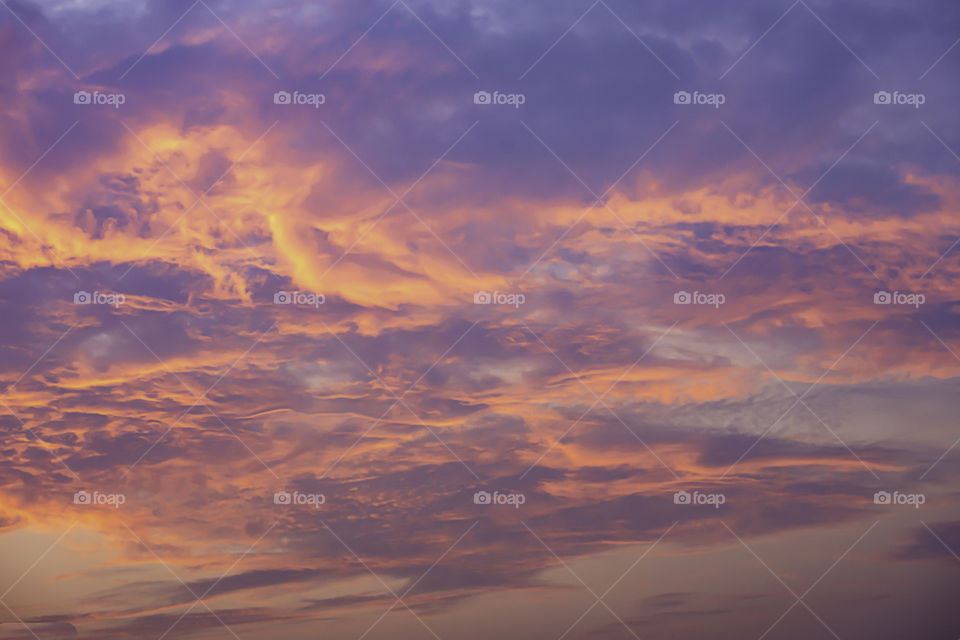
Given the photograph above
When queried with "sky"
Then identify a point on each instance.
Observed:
(476, 319)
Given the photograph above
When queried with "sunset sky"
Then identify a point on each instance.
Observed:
(479, 319)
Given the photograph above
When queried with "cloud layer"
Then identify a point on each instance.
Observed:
(287, 291)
